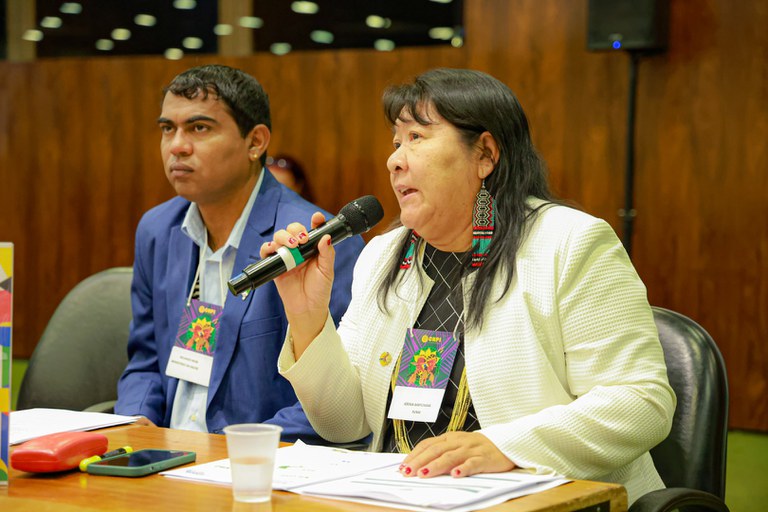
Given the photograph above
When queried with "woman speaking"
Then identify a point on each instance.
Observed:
(492, 328)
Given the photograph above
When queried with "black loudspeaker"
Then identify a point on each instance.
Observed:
(628, 25)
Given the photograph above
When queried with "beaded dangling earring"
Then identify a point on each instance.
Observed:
(408, 259)
(483, 216)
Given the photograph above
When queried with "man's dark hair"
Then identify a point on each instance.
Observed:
(240, 92)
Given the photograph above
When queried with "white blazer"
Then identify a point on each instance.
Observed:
(567, 374)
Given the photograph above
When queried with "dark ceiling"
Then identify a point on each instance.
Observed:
(406, 23)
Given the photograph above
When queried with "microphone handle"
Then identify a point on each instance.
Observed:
(272, 266)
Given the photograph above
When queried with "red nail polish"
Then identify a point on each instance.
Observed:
(456, 472)
(407, 471)
(329, 241)
(401, 467)
(424, 471)
(291, 241)
(302, 236)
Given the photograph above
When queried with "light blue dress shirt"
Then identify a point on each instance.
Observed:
(191, 400)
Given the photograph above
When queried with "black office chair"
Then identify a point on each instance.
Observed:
(692, 459)
(82, 351)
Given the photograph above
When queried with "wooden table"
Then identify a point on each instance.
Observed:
(73, 490)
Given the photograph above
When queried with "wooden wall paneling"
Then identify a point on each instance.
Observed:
(748, 89)
(144, 176)
(18, 196)
(147, 177)
(94, 159)
(337, 110)
(37, 145)
(337, 107)
(703, 225)
(132, 162)
(292, 102)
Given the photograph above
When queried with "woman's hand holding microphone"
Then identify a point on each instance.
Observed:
(305, 290)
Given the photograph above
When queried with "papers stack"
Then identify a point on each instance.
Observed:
(31, 423)
(374, 478)
(296, 466)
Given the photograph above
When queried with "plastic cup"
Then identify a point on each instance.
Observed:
(251, 448)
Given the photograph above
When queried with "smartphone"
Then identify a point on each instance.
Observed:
(140, 462)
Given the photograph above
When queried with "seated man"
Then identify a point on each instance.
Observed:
(200, 357)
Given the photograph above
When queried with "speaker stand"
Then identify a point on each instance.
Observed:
(628, 213)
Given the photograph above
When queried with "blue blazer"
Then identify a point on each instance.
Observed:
(245, 386)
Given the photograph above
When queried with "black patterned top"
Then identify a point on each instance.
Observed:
(443, 311)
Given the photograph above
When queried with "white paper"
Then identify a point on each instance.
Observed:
(216, 472)
(31, 423)
(389, 487)
(302, 464)
(373, 478)
(478, 505)
(296, 466)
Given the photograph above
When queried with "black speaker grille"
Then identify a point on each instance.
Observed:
(628, 25)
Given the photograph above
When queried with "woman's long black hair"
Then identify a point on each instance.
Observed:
(475, 102)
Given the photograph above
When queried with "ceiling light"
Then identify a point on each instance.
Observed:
(457, 41)
(441, 1)
(173, 53)
(105, 45)
(121, 34)
(305, 7)
(71, 8)
(321, 36)
(223, 29)
(192, 43)
(280, 48)
(250, 22)
(375, 21)
(384, 45)
(32, 35)
(50, 22)
(145, 20)
(184, 5)
(442, 33)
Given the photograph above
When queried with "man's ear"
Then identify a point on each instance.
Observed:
(259, 140)
(489, 154)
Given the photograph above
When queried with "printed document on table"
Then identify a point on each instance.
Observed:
(373, 478)
(297, 465)
(216, 472)
(303, 464)
(32, 423)
(387, 487)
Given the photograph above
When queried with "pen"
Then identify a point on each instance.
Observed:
(85, 462)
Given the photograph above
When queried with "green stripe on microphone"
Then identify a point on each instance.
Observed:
(297, 257)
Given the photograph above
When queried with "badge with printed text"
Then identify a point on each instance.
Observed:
(425, 370)
(192, 353)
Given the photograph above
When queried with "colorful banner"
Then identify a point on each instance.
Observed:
(6, 316)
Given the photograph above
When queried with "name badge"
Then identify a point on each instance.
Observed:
(192, 353)
(425, 370)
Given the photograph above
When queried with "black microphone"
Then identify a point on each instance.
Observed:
(355, 218)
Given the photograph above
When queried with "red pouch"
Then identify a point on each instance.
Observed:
(57, 452)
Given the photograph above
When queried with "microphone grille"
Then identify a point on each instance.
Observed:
(362, 214)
